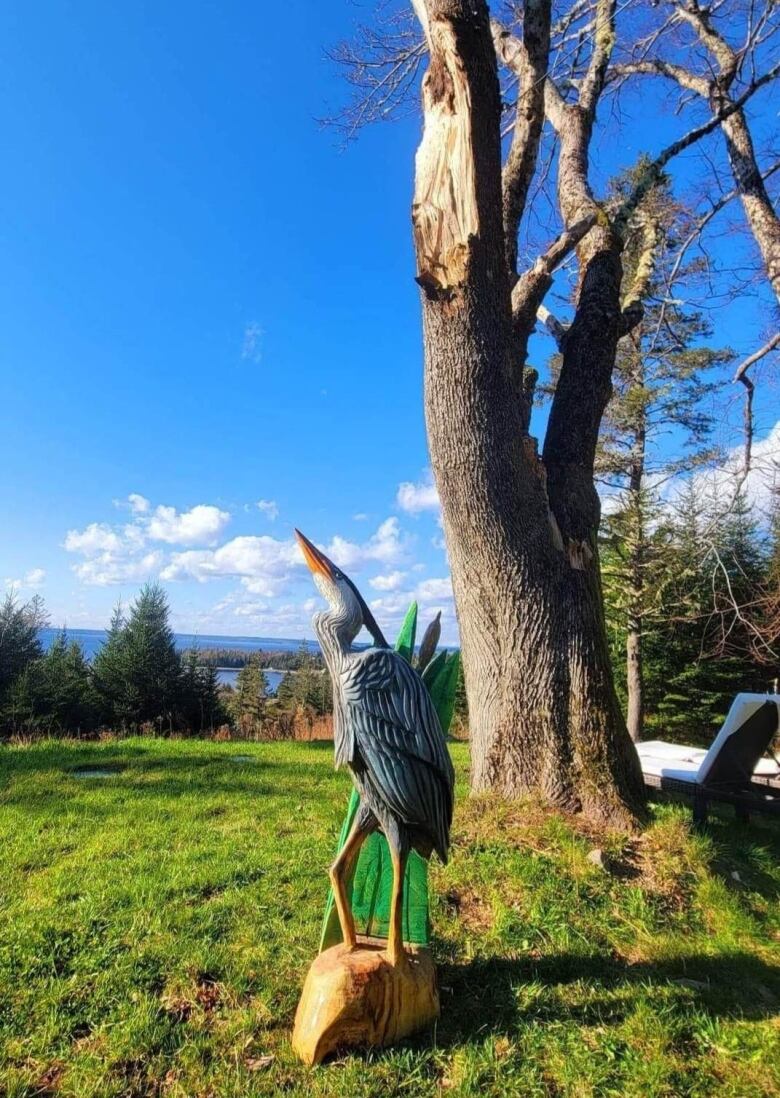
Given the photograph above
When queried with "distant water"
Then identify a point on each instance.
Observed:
(91, 640)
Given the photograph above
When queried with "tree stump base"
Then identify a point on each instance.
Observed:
(356, 998)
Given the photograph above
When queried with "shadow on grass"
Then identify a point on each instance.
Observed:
(485, 996)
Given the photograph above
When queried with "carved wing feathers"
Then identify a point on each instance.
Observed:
(395, 731)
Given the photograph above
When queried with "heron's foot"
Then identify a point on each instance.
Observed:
(398, 957)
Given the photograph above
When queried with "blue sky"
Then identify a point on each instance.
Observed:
(206, 304)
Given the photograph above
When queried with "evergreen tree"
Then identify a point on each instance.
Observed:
(200, 706)
(247, 703)
(110, 674)
(662, 379)
(700, 649)
(54, 694)
(138, 670)
(20, 626)
(308, 688)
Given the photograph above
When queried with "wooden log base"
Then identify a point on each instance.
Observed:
(356, 998)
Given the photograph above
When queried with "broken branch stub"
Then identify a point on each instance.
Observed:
(444, 211)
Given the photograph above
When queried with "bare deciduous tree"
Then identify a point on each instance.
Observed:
(521, 527)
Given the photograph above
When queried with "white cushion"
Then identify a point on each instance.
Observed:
(743, 706)
(675, 760)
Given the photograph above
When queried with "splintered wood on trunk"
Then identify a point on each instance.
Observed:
(542, 708)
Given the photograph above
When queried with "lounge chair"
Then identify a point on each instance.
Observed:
(732, 770)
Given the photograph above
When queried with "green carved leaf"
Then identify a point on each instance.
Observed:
(405, 643)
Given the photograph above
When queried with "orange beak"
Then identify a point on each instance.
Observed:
(316, 560)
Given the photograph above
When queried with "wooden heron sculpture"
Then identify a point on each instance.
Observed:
(387, 733)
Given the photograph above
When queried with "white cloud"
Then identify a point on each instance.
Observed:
(431, 590)
(762, 481)
(415, 498)
(264, 564)
(119, 554)
(269, 507)
(33, 578)
(716, 486)
(198, 526)
(261, 563)
(388, 546)
(361, 516)
(98, 537)
(390, 582)
(432, 595)
(106, 569)
(138, 504)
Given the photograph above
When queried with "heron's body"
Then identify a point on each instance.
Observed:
(387, 733)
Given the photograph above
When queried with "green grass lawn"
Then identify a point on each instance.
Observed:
(156, 926)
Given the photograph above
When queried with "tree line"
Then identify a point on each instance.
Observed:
(273, 659)
(138, 682)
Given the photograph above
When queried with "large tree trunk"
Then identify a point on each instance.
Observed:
(542, 707)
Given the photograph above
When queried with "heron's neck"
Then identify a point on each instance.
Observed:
(336, 630)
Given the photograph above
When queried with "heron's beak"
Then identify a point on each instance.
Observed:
(316, 560)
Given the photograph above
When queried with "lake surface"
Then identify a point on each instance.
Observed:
(227, 676)
(92, 640)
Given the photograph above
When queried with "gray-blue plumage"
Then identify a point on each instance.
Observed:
(388, 734)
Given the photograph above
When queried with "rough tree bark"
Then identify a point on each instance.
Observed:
(521, 531)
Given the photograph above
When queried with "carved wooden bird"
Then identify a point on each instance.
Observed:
(387, 733)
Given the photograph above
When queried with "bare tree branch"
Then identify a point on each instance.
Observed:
(742, 376)
(652, 172)
(528, 60)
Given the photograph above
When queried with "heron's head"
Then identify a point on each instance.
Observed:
(338, 590)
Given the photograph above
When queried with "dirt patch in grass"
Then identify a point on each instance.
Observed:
(472, 910)
(49, 1081)
(206, 996)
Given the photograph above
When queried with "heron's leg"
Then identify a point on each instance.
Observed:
(338, 873)
(395, 942)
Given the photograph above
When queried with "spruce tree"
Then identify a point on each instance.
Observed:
(54, 695)
(20, 626)
(702, 648)
(662, 382)
(138, 670)
(200, 707)
(248, 700)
